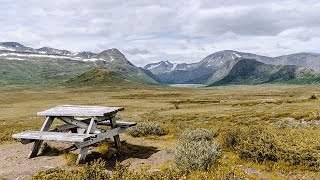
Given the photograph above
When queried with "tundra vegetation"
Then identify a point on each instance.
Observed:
(261, 131)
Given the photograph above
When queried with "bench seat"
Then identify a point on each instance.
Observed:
(53, 136)
(118, 123)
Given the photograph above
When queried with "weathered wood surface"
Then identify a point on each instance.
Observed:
(37, 144)
(75, 110)
(80, 124)
(101, 136)
(118, 123)
(116, 137)
(84, 150)
(53, 136)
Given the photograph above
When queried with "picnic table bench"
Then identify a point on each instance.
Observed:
(80, 128)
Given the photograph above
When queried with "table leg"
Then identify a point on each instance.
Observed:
(117, 137)
(84, 150)
(37, 144)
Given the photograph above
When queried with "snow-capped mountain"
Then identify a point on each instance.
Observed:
(217, 65)
(15, 46)
(18, 62)
(15, 50)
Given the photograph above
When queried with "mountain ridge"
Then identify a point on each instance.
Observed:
(45, 64)
(218, 64)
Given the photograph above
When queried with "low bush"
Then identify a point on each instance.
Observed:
(196, 155)
(198, 134)
(147, 128)
(294, 147)
(195, 151)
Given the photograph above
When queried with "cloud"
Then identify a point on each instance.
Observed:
(136, 51)
(151, 30)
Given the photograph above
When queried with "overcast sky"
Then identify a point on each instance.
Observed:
(175, 30)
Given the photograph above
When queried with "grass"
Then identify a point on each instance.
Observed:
(288, 111)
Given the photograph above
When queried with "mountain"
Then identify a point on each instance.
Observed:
(217, 65)
(249, 71)
(15, 46)
(208, 70)
(310, 60)
(48, 50)
(24, 65)
(40, 71)
(99, 76)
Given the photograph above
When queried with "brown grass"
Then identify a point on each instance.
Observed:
(217, 108)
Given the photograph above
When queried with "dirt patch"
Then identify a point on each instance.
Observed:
(140, 152)
(15, 165)
(155, 159)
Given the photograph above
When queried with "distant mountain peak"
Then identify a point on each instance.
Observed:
(12, 44)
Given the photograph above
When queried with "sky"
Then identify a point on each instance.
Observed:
(149, 31)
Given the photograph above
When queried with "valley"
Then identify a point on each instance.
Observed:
(286, 111)
(262, 114)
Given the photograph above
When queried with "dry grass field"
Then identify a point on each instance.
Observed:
(264, 131)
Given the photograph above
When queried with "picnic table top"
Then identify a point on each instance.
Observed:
(76, 110)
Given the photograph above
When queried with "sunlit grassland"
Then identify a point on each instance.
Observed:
(176, 108)
(286, 110)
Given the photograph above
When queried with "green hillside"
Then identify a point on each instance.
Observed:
(117, 62)
(40, 72)
(99, 76)
(248, 71)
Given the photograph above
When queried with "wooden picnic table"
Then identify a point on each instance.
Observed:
(80, 128)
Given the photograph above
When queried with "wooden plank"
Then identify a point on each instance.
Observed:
(84, 150)
(101, 137)
(37, 144)
(53, 136)
(79, 124)
(82, 154)
(116, 137)
(118, 123)
(74, 110)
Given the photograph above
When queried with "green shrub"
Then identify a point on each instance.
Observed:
(294, 147)
(231, 138)
(197, 134)
(146, 128)
(195, 151)
(196, 155)
(70, 157)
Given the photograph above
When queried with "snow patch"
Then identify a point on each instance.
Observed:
(174, 66)
(167, 63)
(6, 48)
(154, 66)
(111, 58)
(13, 58)
(40, 55)
(236, 54)
(91, 59)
